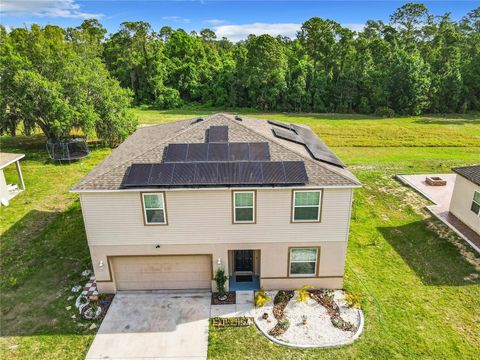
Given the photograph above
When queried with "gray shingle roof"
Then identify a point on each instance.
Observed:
(471, 173)
(147, 145)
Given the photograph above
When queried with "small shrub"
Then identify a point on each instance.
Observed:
(94, 307)
(221, 279)
(82, 299)
(338, 322)
(168, 98)
(353, 300)
(364, 106)
(281, 296)
(328, 294)
(283, 324)
(12, 281)
(385, 112)
(261, 298)
(303, 293)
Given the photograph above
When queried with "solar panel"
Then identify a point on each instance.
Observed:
(248, 173)
(161, 174)
(217, 152)
(217, 173)
(226, 173)
(317, 148)
(138, 175)
(273, 172)
(280, 124)
(176, 152)
(218, 134)
(197, 152)
(206, 173)
(238, 151)
(288, 135)
(183, 174)
(295, 172)
(200, 152)
(259, 151)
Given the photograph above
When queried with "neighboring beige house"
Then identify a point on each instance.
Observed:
(465, 203)
(9, 191)
(266, 201)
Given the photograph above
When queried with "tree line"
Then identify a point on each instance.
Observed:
(416, 63)
(81, 77)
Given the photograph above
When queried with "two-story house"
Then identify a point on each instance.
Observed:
(268, 202)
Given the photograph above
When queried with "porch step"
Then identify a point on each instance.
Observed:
(245, 297)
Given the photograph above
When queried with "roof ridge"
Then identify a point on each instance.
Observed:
(294, 151)
(151, 148)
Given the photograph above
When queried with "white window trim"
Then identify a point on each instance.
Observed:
(320, 197)
(235, 221)
(159, 208)
(476, 202)
(302, 275)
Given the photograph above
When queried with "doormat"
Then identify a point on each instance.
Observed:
(244, 278)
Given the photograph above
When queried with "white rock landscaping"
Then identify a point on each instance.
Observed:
(318, 330)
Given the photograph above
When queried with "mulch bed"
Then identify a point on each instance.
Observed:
(326, 300)
(231, 299)
(279, 304)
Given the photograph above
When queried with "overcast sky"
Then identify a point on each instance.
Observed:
(232, 19)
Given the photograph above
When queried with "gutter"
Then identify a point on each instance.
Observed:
(215, 189)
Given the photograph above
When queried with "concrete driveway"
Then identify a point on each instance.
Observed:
(150, 325)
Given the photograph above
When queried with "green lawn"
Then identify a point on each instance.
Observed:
(419, 282)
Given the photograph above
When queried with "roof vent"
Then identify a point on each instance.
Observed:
(238, 118)
(197, 121)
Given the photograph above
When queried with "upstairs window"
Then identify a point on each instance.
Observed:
(154, 208)
(244, 207)
(476, 203)
(306, 206)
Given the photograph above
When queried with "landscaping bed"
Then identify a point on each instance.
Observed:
(231, 299)
(323, 319)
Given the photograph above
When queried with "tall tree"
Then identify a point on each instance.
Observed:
(265, 70)
(47, 82)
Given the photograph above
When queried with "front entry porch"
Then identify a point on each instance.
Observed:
(244, 270)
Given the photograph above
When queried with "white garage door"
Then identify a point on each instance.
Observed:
(162, 272)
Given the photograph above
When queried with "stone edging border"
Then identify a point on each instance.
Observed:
(342, 343)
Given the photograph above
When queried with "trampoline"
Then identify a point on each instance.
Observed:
(67, 149)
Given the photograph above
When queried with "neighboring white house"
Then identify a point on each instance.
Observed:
(9, 191)
(465, 203)
(269, 202)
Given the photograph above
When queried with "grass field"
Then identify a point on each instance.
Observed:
(419, 282)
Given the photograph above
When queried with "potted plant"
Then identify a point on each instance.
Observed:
(304, 319)
(81, 302)
(92, 312)
(221, 279)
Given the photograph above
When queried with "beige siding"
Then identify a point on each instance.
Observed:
(205, 216)
(462, 201)
(162, 272)
(273, 262)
